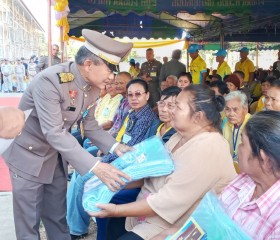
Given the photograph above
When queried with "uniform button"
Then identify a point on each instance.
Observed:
(30, 147)
(65, 119)
(85, 95)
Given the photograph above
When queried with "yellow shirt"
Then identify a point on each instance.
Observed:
(256, 89)
(197, 68)
(260, 105)
(106, 108)
(247, 67)
(234, 137)
(133, 72)
(223, 69)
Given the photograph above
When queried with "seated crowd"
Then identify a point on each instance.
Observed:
(228, 125)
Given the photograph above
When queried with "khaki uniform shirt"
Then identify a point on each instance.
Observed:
(201, 164)
(44, 62)
(34, 154)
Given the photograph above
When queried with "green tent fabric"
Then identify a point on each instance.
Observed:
(238, 20)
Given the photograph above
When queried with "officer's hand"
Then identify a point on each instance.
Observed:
(99, 153)
(121, 149)
(110, 176)
(11, 122)
(107, 210)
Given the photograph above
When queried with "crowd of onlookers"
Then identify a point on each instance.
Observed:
(166, 101)
(16, 75)
(211, 135)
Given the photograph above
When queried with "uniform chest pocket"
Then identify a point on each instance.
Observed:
(69, 116)
(32, 144)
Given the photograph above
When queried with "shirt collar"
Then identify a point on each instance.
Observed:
(247, 116)
(266, 200)
(246, 186)
(139, 113)
(79, 80)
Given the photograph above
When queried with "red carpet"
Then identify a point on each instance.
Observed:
(5, 182)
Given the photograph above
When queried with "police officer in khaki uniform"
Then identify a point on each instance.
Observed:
(60, 96)
(44, 60)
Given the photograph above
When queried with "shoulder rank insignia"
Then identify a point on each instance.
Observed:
(65, 77)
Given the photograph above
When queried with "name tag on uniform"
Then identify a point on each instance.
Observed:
(153, 74)
(71, 108)
(126, 138)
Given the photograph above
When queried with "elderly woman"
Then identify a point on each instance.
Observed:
(171, 80)
(134, 128)
(272, 98)
(162, 129)
(253, 198)
(158, 206)
(236, 111)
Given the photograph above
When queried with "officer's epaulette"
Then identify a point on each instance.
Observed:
(65, 77)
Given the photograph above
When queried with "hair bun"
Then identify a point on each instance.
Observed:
(219, 101)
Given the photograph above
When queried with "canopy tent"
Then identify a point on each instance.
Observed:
(207, 20)
(130, 25)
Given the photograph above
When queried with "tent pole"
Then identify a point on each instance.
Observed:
(61, 44)
(222, 37)
(187, 43)
(49, 33)
(257, 55)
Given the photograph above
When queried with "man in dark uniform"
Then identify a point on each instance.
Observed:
(61, 96)
(150, 71)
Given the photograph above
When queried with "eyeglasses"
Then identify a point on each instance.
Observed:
(136, 94)
(169, 105)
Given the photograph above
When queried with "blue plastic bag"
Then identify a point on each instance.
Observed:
(211, 219)
(149, 159)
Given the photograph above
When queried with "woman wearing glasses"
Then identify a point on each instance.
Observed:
(134, 129)
(202, 162)
(164, 128)
(139, 118)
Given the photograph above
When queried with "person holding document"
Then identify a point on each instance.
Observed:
(62, 96)
(168, 201)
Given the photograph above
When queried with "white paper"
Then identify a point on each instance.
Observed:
(5, 143)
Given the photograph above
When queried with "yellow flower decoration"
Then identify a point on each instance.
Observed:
(61, 7)
(66, 77)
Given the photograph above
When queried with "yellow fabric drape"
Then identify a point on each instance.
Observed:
(60, 6)
(152, 44)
